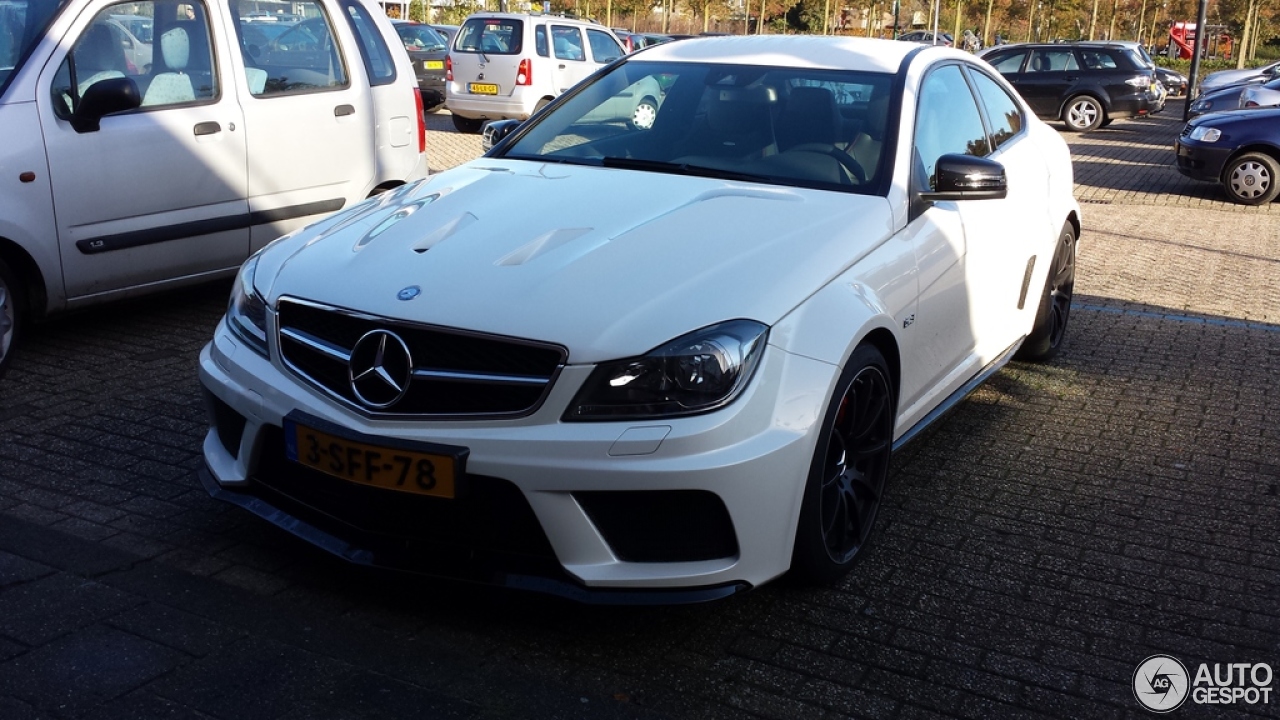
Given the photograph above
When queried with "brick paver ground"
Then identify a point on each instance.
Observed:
(1064, 523)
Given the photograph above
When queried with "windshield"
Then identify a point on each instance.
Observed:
(778, 125)
(22, 24)
(419, 38)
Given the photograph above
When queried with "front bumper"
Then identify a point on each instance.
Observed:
(536, 514)
(1200, 161)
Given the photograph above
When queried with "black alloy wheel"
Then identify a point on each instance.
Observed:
(847, 478)
(1046, 336)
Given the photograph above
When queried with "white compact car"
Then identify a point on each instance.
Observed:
(625, 364)
(508, 65)
(132, 166)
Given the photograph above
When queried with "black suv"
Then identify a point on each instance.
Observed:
(1085, 85)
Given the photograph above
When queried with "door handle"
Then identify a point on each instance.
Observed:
(561, 67)
(207, 128)
(343, 110)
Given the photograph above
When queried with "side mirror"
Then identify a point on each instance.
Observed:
(104, 97)
(496, 131)
(965, 177)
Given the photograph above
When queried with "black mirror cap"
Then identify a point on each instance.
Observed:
(104, 97)
(966, 177)
(496, 131)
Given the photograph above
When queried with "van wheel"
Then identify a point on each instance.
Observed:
(1082, 113)
(847, 477)
(11, 311)
(467, 125)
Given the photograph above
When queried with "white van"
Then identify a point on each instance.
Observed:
(129, 169)
(507, 66)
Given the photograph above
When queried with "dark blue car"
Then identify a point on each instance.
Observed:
(1238, 148)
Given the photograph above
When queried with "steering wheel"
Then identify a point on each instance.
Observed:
(845, 159)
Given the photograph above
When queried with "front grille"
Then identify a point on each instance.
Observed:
(454, 373)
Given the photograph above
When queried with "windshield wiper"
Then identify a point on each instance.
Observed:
(683, 169)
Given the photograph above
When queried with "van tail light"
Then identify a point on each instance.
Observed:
(448, 68)
(524, 75)
(422, 121)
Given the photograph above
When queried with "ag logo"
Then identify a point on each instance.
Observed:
(1160, 683)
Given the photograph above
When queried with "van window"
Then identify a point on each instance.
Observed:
(175, 69)
(540, 40)
(304, 57)
(603, 47)
(566, 43)
(377, 58)
(492, 36)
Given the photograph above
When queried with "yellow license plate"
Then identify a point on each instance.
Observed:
(433, 64)
(388, 465)
(483, 89)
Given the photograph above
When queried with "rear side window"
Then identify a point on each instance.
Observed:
(373, 49)
(566, 43)
(491, 36)
(304, 57)
(1097, 60)
(1053, 61)
(603, 47)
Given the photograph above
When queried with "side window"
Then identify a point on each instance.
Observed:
(1008, 64)
(604, 49)
(947, 121)
(302, 57)
(566, 43)
(373, 49)
(1053, 61)
(1097, 60)
(1003, 112)
(540, 41)
(173, 66)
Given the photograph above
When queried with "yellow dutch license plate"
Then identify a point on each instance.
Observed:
(431, 471)
(483, 89)
(433, 64)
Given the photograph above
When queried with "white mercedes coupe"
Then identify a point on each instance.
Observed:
(662, 362)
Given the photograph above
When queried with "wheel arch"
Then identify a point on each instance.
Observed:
(36, 296)
(884, 341)
(1257, 147)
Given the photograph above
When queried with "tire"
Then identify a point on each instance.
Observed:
(1082, 113)
(1252, 179)
(11, 315)
(467, 125)
(1050, 328)
(645, 113)
(541, 104)
(842, 498)
(1105, 122)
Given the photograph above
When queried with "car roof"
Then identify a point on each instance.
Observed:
(805, 51)
(537, 16)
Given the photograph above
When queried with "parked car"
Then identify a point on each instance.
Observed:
(507, 65)
(1222, 78)
(448, 31)
(665, 364)
(1230, 97)
(1239, 149)
(428, 50)
(130, 176)
(1085, 85)
(137, 53)
(924, 36)
(1173, 81)
(1264, 95)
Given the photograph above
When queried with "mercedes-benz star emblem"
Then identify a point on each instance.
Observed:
(380, 368)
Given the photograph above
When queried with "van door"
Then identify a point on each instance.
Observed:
(309, 117)
(157, 193)
(569, 50)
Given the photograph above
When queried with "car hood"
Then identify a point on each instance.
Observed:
(1221, 79)
(606, 262)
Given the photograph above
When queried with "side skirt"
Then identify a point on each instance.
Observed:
(960, 394)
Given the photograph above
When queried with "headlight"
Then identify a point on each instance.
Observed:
(698, 372)
(247, 311)
(1205, 134)
(1201, 106)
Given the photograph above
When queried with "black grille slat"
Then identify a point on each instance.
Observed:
(434, 349)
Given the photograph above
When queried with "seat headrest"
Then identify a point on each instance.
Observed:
(810, 116)
(736, 110)
(175, 48)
